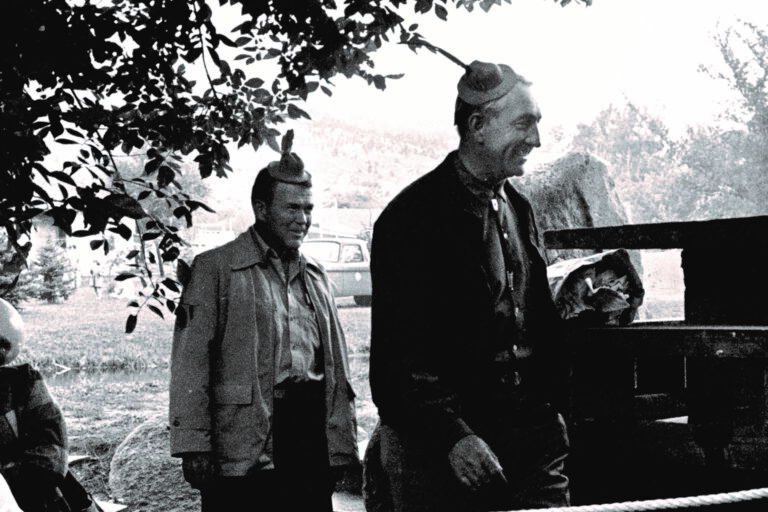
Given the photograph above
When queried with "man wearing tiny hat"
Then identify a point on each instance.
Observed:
(466, 357)
(261, 410)
(33, 434)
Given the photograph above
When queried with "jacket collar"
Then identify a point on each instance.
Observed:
(247, 251)
(466, 194)
(250, 249)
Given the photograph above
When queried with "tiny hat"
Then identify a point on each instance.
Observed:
(483, 82)
(11, 332)
(290, 168)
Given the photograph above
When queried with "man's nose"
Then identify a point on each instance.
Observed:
(532, 138)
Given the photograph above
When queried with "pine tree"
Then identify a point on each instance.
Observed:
(53, 273)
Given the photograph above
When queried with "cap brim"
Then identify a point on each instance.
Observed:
(289, 173)
(475, 97)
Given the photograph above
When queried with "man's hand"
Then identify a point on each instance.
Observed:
(198, 467)
(474, 464)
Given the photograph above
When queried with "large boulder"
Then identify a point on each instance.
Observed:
(574, 191)
(143, 474)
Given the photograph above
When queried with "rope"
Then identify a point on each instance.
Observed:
(665, 504)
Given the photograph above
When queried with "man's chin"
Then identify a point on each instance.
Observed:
(515, 171)
(293, 244)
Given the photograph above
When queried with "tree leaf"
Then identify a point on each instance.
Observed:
(254, 82)
(62, 176)
(155, 310)
(122, 230)
(124, 205)
(295, 112)
(130, 323)
(150, 236)
(194, 205)
(171, 284)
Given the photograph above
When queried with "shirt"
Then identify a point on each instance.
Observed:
(298, 350)
(506, 263)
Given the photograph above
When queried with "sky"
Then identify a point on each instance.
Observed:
(579, 58)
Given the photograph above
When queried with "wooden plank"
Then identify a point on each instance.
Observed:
(717, 341)
(742, 231)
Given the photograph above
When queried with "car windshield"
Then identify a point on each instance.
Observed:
(322, 250)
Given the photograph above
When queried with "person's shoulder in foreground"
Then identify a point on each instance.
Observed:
(33, 443)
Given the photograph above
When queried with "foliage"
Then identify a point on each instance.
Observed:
(709, 171)
(15, 282)
(98, 78)
(52, 274)
(735, 160)
(641, 154)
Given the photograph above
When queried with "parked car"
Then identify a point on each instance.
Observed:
(347, 262)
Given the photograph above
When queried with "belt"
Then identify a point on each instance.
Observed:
(294, 389)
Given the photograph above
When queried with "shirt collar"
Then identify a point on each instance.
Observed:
(481, 192)
(266, 253)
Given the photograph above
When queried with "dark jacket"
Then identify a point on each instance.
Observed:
(432, 372)
(33, 439)
(223, 365)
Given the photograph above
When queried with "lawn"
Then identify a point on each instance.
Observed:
(124, 378)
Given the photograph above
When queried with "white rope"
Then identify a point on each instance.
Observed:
(666, 503)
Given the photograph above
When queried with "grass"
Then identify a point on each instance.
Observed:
(102, 407)
(123, 379)
(88, 333)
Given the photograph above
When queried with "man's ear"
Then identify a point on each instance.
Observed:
(475, 125)
(260, 210)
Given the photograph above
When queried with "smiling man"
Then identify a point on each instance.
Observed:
(466, 356)
(261, 410)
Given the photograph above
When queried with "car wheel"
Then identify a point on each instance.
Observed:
(363, 300)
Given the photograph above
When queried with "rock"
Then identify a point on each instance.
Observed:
(574, 191)
(143, 475)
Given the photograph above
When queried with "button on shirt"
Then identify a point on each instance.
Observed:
(507, 268)
(298, 349)
(507, 265)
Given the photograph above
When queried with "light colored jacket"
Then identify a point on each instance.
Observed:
(223, 362)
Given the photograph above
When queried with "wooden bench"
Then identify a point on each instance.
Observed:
(708, 371)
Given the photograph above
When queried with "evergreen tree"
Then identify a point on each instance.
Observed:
(53, 273)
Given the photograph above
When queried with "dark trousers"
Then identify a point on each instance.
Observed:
(301, 480)
(532, 452)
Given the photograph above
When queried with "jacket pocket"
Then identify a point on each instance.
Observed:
(233, 394)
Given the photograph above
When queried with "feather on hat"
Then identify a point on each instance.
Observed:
(290, 168)
(482, 81)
